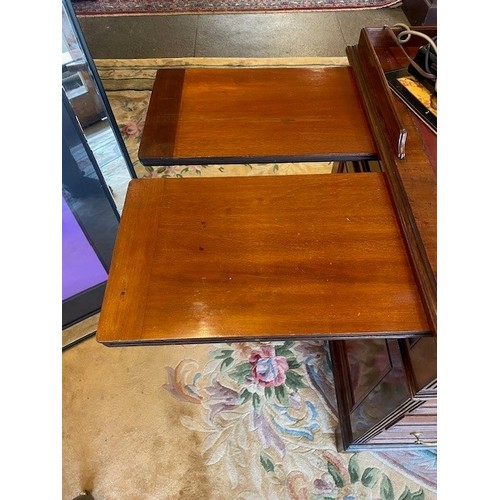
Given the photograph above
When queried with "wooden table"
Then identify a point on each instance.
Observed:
(255, 115)
(350, 258)
(232, 259)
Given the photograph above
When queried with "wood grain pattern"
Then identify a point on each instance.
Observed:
(381, 97)
(226, 259)
(412, 180)
(219, 115)
(160, 127)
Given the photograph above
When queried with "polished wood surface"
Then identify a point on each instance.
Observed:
(239, 115)
(398, 404)
(246, 258)
(412, 180)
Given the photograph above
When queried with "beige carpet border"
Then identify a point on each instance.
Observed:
(219, 61)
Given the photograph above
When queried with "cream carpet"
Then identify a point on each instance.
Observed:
(170, 422)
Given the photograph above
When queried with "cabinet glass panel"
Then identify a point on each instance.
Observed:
(388, 390)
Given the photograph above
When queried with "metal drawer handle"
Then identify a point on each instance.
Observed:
(419, 441)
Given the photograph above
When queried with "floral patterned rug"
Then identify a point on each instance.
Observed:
(127, 7)
(253, 421)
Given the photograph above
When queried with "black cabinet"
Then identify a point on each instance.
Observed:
(421, 12)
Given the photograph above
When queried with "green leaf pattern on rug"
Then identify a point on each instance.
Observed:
(353, 469)
(369, 477)
(408, 495)
(366, 485)
(386, 489)
(264, 417)
(336, 475)
(271, 369)
(267, 462)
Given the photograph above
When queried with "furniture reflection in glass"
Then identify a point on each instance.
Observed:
(86, 95)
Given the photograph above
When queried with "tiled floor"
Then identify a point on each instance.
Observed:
(321, 34)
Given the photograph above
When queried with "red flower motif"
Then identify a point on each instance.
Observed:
(268, 369)
(131, 129)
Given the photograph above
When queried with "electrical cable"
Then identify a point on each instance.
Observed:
(407, 32)
(404, 36)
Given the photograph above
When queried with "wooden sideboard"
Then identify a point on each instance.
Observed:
(387, 389)
(347, 258)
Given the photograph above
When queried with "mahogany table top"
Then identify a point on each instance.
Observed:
(412, 180)
(239, 115)
(259, 258)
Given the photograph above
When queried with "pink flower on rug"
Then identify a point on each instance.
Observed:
(267, 368)
(131, 129)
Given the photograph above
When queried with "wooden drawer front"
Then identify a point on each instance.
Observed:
(423, 420)
(427, 408)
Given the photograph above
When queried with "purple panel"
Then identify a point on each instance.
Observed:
(81, 268)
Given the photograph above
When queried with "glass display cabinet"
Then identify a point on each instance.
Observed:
(96, 170)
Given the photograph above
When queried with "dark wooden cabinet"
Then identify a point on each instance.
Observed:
(387, 388)
(359, 272)
(386, 392)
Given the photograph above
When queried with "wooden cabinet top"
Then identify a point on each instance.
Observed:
(412, 180)
(239, 258)
(238, 115)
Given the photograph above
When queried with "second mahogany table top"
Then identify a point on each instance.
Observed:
(239, 115)
(248, 258)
